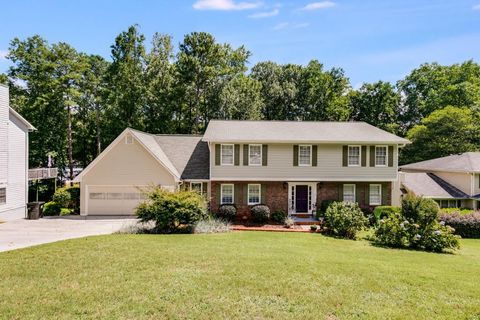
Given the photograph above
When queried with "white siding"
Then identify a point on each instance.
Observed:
(3, 134)
(280, 167)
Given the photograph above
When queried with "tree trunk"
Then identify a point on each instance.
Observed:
(70, 142)
(99, 141)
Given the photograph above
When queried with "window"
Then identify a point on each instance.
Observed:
(254, 193)
(3, 195)
(197, 187)
(349, 193)
(97, 196)
(375, 194)
(226, 194)
(452, 203)
(226, 154)
(353, 156)
(304, 155)
(380, 156)
(254, 154)
(114, 196)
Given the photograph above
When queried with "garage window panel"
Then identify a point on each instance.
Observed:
(114, 196)
(97, 195)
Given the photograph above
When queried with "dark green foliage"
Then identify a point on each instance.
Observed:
(279, 216)
(344, 219)
(416, 227)
(51, 209)
(381, 212)
(74, 203)
(260, 213)
(324, 204)
(465, 225)
(172, 211)
(227, 212)
(62, 197)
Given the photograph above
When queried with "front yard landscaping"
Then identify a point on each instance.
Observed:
(237, 275)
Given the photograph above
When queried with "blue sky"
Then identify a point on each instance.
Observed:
(371, 39)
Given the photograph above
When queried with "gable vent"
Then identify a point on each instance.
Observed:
(128, 139)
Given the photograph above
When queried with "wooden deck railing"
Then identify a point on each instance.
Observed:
(42, 173)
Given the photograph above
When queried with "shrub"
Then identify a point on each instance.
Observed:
(416, 226)
(211, 225)
(51, 209)
(456, 210)
(172, 211)
(65, 211)
(320, 213)
(74, 203)
(289, 222)
(227, 212)
(62, 197)
(344, 219)
(279, 216)
(465, 225)
(313, 227)
(381, 212)
(260, 213)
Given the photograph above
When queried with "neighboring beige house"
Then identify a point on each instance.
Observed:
(13, 160)
(288, 165)
(453, 181)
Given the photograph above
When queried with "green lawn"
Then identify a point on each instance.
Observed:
(237, 275)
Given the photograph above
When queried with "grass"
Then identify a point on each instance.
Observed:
(237, 275)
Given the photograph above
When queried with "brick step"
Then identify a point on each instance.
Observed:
(307, 223)
(302, 215)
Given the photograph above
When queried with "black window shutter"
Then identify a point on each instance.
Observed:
(314, 155)
(264, 155)
(345, 156)
(217, 154)
(390, 156)
(364, 156)
(372, 156)
(295, 155)
(237, 154)
(385, 194)
(245, 154)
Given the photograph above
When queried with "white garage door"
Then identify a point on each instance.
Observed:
(113, 200)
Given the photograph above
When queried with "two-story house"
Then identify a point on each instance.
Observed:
(452, 181)
(14, 131)
(287, 165)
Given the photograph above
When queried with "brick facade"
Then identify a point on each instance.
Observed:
(276, 196)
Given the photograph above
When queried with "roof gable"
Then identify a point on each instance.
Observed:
(464, 162)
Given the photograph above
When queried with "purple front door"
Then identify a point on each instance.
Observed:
(301, 199)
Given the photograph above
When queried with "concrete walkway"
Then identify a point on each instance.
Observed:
(23, 233)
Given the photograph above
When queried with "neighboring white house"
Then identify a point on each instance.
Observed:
(13, 160)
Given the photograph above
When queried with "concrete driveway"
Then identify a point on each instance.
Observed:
(23, 233)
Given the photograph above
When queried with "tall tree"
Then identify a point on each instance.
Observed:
(444, 132)
(126, 82)
(240, 99)
(3, 79)
(377, 104)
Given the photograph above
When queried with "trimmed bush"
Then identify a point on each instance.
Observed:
(65, 211)
(381, 212)
(416, 227)
(62, 197)
(322, 208)
(465, 225)
(456, 210)
(172, 212)
(51, 209)
(345, 219)
(227, 212)
(279, 216)
(260, 213)
(211, 225)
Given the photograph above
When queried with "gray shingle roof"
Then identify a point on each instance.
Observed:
(464, 162)
(297, 131)
(431, 186)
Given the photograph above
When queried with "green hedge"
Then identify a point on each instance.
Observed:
(381, 212)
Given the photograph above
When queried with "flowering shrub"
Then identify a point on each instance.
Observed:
(260, 213)
(227, 212)
(289, 222)
(465, 225)
(416, 226)
(211, 225)
(381, 212)
(344, 219)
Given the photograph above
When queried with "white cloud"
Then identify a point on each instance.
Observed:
(3, 54)
(288, 25)
(265, 14)
(318, 5)
(476, 7)
(225, 5)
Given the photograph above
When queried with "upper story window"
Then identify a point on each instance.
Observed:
(381, 155)
(353, 156)
(254, 154)
(305, 155)
(226, 194)
(375, 196)
(3, 195)
(349, 192)
(253, 194)
(226, 154)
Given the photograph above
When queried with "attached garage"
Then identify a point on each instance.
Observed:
(113, 200)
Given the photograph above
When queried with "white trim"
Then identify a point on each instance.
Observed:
(292, 195)
(370, 194)
(221, 192)
(259, 193)
(354, 191)
(197, 182)
(386, 156)
(261, 155)
(221, 154)
(310, 161)
(401, 143)
(359, 155)
(293, 179)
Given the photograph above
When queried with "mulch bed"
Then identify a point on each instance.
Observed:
(269, 227)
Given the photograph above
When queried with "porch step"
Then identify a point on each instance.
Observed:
(305, 221)
(302, 215)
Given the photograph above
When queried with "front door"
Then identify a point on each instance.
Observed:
(301, 199)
